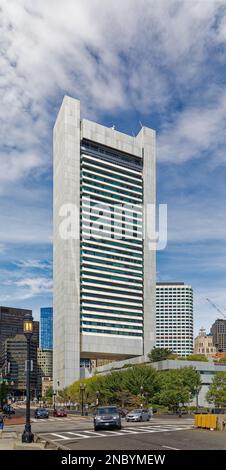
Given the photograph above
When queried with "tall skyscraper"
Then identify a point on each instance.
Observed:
(174, 317)
(104, 268)
(218, 330)
(46, 328)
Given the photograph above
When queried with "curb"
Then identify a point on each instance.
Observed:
(47, 443)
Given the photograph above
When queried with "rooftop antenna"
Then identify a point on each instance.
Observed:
(141, 125)
(113, 127)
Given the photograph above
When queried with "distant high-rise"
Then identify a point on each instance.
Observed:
(218, 330)
(104, 268)
(13, 357)
(46, 328)
(174, 317)
(11, 324)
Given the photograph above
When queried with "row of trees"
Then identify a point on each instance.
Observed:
(161, 354)
(139, 384)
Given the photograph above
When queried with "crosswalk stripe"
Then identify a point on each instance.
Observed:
(95, 433)
(77, 434)
(144, 429)
(129, 431)
(60, 436)
(116, 433)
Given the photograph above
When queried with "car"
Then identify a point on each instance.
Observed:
(138, 415)
(41, 413)
(107, 417)
(9, 410)
(59, 413)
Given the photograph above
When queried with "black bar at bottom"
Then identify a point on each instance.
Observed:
(95, 459)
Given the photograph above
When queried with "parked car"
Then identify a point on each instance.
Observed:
(9, 410)
(107, 417)
(60, 413)
(138, 415)
(123, 412)
(41, 413)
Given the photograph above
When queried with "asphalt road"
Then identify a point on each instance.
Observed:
(161, 433)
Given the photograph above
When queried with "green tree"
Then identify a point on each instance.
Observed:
(49, 393)
(217, 390)
(119, 387)
(195, 357)
(177, 386)
(141, 376)
(160, 354)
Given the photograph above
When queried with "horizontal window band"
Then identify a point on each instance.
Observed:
(110, 295)
(113, 165)
(114, 243)
(85, 165)
(105, 257)
(110, 316)
(129, 208)
(101, 183)
(111, 282)
(121, 333)
(112, 264)
(113, 156)
(110, 274)
(102, 189)
(106, 178)
(97, 307)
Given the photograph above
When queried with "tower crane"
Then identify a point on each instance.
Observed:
(216, 307)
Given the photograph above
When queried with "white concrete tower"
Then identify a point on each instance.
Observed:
(104, 269)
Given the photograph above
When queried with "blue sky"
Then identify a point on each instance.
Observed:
(159, 62)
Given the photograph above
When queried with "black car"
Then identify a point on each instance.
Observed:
(41, 413)
(107, 417)
(8, 410)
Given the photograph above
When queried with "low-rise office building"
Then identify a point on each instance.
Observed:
(206, 369)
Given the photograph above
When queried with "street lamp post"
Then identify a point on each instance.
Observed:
(54, 400)
(98, 395)
(27, 435)
(82, 390)
(142, 395)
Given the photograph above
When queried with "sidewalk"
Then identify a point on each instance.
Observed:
(12, 441)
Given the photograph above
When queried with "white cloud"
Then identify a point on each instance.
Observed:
(112, 55)
(192, 221)
(33, 264)
(193, 132)
(32, 287)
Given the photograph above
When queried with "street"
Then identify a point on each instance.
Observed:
(162, 432)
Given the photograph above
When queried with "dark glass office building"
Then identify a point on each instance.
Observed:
(46, 330)
(11, 324)
(218, 330)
